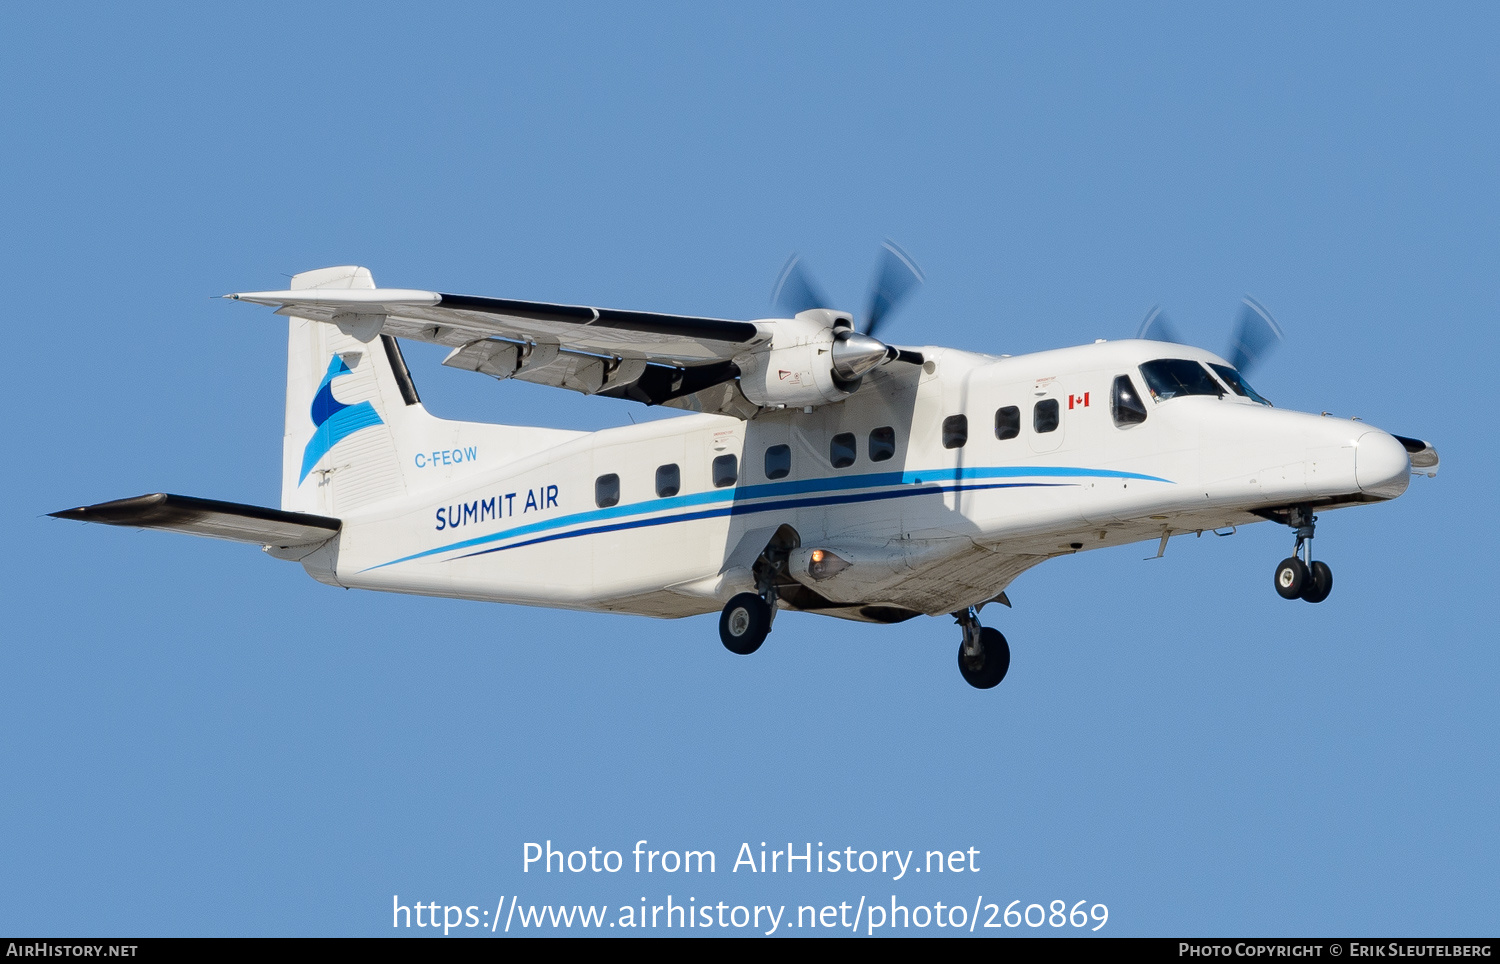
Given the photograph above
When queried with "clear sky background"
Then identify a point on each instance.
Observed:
(198, 739)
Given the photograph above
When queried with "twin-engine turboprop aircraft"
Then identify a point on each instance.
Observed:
(824, 470)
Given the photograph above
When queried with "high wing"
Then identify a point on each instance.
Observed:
(659, 359)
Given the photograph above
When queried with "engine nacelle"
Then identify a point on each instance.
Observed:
(812, 359)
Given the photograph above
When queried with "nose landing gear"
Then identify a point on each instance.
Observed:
(984, 655)
(1298, 576)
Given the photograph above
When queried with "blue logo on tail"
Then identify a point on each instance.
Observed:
(334, 420)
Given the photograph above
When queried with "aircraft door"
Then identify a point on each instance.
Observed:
(1045, 424)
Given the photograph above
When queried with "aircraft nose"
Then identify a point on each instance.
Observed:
(1381, 465)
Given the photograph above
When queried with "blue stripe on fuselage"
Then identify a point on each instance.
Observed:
(738, 509)
(922, 482)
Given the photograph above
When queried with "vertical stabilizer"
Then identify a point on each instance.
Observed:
(356, 433)
(342, 397)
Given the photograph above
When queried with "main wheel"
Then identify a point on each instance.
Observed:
(1319, 582)
(1291, 576)
(744, 623)
(989, 667)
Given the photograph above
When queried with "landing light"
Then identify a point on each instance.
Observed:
(822, 564)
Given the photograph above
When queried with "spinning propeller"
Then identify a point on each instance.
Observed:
(855, 353)
(1255, 334)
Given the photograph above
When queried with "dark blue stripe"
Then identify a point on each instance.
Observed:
(924, 477)
(735, 510)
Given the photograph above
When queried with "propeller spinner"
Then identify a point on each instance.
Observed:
(856, 353)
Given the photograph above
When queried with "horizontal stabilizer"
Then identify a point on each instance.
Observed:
(206, 517)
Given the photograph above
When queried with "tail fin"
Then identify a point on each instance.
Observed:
(344, 399)
(357, 433)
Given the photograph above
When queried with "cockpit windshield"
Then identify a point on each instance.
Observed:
(1236, 381)
(1171, 377)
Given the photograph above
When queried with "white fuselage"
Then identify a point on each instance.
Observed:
(932, 528)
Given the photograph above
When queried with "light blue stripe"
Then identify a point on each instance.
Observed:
(779, 489)
(747, 508)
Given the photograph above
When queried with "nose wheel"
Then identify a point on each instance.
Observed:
(984, 654)
(1299, 576)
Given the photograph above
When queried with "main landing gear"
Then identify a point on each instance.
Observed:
(984, 655)
(747, 617)
(745, 623)
(1298, 576)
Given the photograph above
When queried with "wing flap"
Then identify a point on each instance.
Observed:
(206, 517)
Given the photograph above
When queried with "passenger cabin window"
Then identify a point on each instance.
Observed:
(668, 481)
(1007, 422)
(607, 490)
(1236, 381)
(841, 450)
(726, 471)
(1171, 377)
(1045, 416)
(882, 444)
(778, 461)
(1125, 403)
(955, 431)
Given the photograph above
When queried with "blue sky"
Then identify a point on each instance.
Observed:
(198, 739)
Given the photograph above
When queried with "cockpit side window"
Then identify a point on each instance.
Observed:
(1171, 377)
(1125, 403)
(1236, 381)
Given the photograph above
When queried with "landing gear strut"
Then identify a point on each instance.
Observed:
(1298, 576)
(984, 655)
(747, 617)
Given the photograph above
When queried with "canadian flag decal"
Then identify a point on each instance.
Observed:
(1079, 401)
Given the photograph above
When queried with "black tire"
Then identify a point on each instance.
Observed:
(990, 666)
(745, 623)
(1291, 577)
(1319, 582)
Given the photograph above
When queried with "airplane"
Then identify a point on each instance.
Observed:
(817, 468)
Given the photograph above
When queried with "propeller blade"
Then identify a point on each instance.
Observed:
(795, 290)
(1156, 327)
(1254, 337)
(895, 277)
